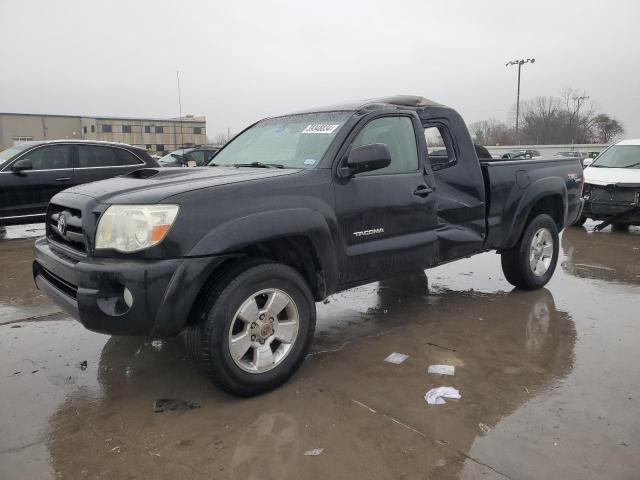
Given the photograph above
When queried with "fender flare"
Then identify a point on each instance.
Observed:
(260, 227)
(544, 187)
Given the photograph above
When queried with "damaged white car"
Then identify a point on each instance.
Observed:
(612, 186)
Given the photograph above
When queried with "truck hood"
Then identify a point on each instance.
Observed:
(154, 185)
(623, 177)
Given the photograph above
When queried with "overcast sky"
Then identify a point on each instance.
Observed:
(240, 61)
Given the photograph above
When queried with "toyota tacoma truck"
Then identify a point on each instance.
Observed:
(234, 255)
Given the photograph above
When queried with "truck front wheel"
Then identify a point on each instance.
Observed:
(255, 328)
(531, 262)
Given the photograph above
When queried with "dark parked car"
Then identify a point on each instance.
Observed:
(568, 154)
(199, 156)
(292, 210)
(32, 173)
(518, 154)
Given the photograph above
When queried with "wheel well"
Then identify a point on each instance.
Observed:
(299, 253)
(551, 205)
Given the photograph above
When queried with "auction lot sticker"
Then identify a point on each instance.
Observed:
(320, 128)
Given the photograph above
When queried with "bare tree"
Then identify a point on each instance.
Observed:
(606, 128)
(542, 120)
(492, 132)
(569, 118)
(220, 139)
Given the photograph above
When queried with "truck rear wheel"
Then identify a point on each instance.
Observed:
(531, 262)
(255, 328)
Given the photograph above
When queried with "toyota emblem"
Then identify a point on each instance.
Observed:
(62, 224)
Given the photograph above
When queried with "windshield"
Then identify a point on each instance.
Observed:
(11, 152)
(169, 160)
(619, 156)
(295, 141)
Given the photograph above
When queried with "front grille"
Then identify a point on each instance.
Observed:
(615, 195)
(62, 285)
(64, 227)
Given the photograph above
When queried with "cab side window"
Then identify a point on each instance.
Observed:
(397, 134)
(52, 157)
(439, 147)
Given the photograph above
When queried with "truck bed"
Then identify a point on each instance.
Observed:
(512, 183)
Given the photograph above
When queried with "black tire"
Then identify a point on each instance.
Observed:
(515, 261)
(580, 221)
(207, 339)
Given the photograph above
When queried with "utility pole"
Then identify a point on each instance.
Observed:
(180, 111)
(519, 63)
(578, 101)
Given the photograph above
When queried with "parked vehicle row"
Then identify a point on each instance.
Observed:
(292, 210)
(33, 172)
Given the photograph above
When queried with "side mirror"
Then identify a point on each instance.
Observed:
(179, 157)
(22, 165)
(587, 161)
(368, 158)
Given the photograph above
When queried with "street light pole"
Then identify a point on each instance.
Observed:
(519, 63)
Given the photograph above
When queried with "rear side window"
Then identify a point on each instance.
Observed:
(53, 157)
(125, 157)
(94, 156)
(439, 147)
(398, 135)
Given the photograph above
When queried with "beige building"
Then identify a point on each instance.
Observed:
(157, 135)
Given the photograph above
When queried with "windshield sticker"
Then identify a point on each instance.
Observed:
(320, 128)
(310, 161)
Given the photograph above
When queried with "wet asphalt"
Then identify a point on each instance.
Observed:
(549, 381)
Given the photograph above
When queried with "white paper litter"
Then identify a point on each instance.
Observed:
(442, 369)
(396, 358)
(436, 396)
(314, 453)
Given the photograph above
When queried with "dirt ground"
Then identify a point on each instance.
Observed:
(549, 381)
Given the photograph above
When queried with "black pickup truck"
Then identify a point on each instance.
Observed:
(234, 255)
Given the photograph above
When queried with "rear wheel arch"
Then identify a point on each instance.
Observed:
(545, 196)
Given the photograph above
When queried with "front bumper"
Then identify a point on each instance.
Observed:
(91, 290)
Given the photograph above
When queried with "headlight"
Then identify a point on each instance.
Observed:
(130, 228)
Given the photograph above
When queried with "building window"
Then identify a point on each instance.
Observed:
(93, 128)
(126, 128)
(106, 129)
(159, 129)
(197, 130)
(84, 129)
(159, 147)
(148, 146)
(147, 129)
(20, 140)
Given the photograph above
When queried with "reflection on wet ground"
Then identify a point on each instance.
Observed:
(548, 379)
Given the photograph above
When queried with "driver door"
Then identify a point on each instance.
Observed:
(387, 217)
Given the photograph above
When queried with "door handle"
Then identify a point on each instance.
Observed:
(422, 191)
(63, 179)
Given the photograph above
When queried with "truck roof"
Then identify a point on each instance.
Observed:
(412, 102)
